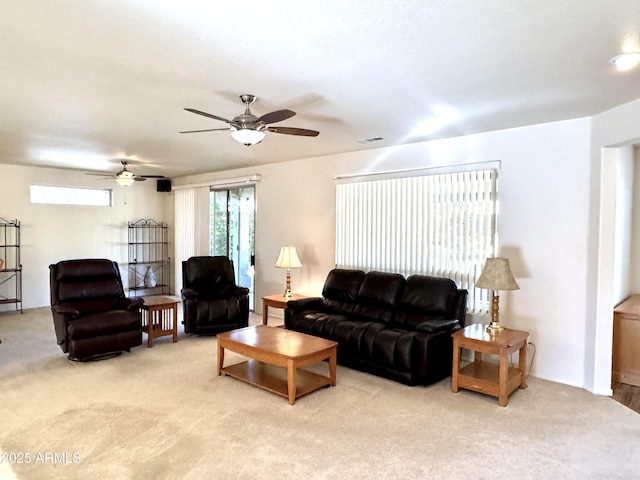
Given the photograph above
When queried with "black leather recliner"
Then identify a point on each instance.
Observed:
(385, 324)
(212, 302)
(91, 315)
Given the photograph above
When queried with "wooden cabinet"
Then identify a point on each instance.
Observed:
(626, 342)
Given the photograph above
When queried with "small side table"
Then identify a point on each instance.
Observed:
(160, 317)
(498, 380)
(276, 301)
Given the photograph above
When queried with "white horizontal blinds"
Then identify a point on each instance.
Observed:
(441, 225)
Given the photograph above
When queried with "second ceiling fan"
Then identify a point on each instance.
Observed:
(249, 129)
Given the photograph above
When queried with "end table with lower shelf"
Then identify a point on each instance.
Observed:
(160, 317)
(276, 301)
(498, 380)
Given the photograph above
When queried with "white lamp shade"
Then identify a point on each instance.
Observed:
(288, 258)
(496, 275)
(247, 136)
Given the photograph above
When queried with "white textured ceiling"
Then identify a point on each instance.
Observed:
(84, 83)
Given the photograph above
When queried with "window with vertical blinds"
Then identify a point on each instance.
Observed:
(442, 225)
(191, 207)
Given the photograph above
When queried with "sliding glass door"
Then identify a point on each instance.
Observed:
(232, 232)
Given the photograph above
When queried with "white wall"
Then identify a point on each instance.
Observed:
(50, 233)
(623, 170)
(634, 254)
(613, 132)
(544, 195)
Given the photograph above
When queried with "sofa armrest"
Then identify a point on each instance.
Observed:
(437, 325)
(312, 303)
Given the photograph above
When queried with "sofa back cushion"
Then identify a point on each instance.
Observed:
(378, 296)
(340, 290)
(425, 298)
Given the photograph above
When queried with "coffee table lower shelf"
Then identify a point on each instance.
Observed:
(274, 379)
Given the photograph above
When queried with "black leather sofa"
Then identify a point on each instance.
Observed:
(385, 324)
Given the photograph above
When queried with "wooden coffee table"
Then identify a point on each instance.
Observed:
(271, 348)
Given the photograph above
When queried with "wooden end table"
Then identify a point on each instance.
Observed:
(160, 317)
(276, 301)
(498, 380)
(270, 348)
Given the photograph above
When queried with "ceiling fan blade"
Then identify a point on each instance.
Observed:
(205, 114)
(100, 174)
(150, 176)
(303, 132)
(277, 116)
(207, 130)
(139, 179)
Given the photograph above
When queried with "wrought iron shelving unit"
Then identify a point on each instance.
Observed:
(149, 257)
(11, 268)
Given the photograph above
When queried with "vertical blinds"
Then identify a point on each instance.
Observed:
(442, 225)
(191, 226)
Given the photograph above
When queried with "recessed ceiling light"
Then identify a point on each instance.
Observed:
(625, 61)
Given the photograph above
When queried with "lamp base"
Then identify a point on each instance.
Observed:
(287, 289)
(494, 327)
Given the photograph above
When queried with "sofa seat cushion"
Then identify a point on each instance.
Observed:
(393, 348)
(106, 323)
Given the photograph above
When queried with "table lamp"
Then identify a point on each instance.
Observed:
(496, 275)
(288, 259)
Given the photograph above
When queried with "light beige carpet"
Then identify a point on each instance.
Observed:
(161, 413)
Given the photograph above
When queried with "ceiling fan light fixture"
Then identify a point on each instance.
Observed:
(125, 178)
(247, 136)
(625, 61)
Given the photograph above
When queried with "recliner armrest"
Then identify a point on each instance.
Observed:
(241, 291)
(131, 304)
(312, 303)
(65, 309)
(439, 325)
(189, 292)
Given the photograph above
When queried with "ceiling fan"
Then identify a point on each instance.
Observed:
(125, 177)
(249, 129)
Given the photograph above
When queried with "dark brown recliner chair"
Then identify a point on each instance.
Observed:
(91, 315)
(212, 302)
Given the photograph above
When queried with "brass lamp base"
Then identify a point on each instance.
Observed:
(495, 327)
(287, 291)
